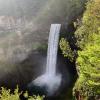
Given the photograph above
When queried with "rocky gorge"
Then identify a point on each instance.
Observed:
(24, 31)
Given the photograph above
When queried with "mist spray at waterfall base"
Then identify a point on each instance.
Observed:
(50, 82)
(50, 79)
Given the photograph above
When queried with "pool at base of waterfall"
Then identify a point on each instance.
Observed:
(50, 83)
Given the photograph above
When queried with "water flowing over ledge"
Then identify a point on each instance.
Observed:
(51, 80)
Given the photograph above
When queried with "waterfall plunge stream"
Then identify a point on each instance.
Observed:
(50, 79)
(52, 49)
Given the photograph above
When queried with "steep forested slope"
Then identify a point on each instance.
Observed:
(88, 60)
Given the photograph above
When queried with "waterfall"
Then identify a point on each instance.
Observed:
(50, 79)
(52, 49)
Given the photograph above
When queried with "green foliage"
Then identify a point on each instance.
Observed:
(88, 61)
(66, 50)
(7, 95)
(88, 64)
(90, 23)
(34, 97)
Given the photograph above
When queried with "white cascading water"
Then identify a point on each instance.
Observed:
(52, 49)
(51, 80)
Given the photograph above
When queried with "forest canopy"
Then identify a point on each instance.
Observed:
(88, 60)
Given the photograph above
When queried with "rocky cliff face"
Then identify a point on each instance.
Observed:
(24, 26)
